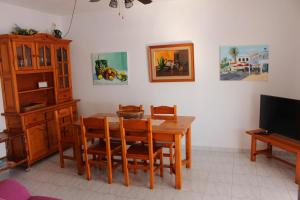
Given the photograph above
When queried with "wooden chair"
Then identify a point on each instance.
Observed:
(166, 113)
(139, 131)
(97, 129)
(65, 135)
(131, 108)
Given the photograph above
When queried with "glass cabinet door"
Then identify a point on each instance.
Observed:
(44, 58)
(62, 59)
(24, 55)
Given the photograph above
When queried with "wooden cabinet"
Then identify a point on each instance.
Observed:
(52, 136)
(29, 109)
(44, 55)
(37, 141)
(24, 55)
(63, 71)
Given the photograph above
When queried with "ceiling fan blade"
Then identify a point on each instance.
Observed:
(145, 1)
(94, 1)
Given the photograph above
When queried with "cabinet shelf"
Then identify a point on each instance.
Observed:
(35, 90)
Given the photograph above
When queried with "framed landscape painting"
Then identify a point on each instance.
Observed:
(110, 68)
(249, 62)
(171, 63)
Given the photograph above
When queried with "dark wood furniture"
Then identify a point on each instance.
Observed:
(102, 150)
(6, 164)
(139, 132)
(167, 131)
(166, 113)
(28, 108)
(278, 141)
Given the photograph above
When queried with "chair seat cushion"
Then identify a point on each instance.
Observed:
(137, 150)
(101, 147)
(13, 190)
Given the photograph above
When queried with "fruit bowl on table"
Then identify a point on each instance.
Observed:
(130, 114)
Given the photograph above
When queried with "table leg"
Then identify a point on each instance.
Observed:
(178, 165)
(269, 155)
(253, 148)
(188, 148)
(297, 178)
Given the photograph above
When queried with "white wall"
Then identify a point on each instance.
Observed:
(224, 110)
(26, 18)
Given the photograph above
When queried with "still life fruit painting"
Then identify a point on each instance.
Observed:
(110, 68)
(171, 63)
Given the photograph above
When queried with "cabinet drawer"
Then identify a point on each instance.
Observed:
(64, 96)
(33, 118)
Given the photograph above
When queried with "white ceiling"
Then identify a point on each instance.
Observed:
(62, 7)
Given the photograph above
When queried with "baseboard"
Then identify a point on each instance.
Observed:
(276, 151)
(221, 149)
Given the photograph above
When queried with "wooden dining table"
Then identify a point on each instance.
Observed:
(163, 131)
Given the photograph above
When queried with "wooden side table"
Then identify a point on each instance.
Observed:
(5, 164)
(278, 141)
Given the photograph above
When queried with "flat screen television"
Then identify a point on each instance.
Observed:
(280, 115)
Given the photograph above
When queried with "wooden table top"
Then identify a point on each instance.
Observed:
(275, 138)
(178, 126)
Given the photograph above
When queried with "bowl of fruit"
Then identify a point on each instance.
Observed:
(109, 73)
(127, 114)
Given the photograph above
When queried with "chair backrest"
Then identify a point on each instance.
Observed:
(94, 128)
(64, 120)
(131, 108)
(136, 130)
(164, 112)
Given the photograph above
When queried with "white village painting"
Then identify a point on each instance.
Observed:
(244, 62)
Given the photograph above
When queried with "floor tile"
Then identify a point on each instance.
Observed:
(215, 175)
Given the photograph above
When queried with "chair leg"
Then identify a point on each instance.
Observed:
(171, 158)
(126, 172)
(87, 165)
(109, 169)
(162, 164)
(134, 166)
(122, 163)
(61, 155)
(100, 160)
(145, 166)
(151, 165)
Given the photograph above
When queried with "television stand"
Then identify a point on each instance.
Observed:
(278, 141)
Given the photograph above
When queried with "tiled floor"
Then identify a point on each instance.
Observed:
(214, 176)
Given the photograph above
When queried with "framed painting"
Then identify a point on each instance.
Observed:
(171, 63)
(249, 62)
(110, 68)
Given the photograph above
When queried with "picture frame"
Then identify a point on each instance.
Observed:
(244, 62)
(171, 63)
(110, 68)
